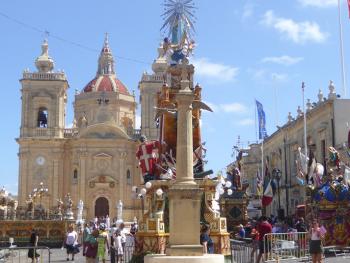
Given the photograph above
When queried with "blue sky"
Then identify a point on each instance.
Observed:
(245, 50)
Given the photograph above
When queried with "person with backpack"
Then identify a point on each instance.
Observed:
(102, 243)
(71, 242)
(91, 247)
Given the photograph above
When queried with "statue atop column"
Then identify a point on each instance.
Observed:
(179, 21)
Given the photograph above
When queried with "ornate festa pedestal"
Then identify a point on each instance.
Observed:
(234, 208)
(185, 194)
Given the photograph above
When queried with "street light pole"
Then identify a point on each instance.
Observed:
(276, 173)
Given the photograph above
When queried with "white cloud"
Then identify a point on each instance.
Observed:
(267, 75)
(298, 32)
(137, 121)
(234, 107)
(319, 3)
(217, 71)
(258, 73)
(248, 11)
(282, 60)
(279, 77)
(246, 122)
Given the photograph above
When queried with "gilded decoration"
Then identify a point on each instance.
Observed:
(103, 181)
(51, 232)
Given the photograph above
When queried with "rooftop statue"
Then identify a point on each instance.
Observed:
(179, 27)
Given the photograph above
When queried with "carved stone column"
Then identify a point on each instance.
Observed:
(82, 177)
(22, 179)
(184, 195)
(55, 181)
(122, 174)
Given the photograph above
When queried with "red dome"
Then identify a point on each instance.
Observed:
(106, 83)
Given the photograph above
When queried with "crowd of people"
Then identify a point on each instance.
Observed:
(96, 239)
(99, 239)
(256, 230)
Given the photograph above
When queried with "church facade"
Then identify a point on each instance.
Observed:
(94, 160)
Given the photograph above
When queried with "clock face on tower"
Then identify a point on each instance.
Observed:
(40, 160)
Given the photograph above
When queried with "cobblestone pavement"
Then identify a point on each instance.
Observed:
(58, 255)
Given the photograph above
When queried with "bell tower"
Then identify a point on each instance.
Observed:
(150, 85)
(41, 140)
(43, 99)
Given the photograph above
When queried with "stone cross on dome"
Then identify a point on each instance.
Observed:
(106, 60)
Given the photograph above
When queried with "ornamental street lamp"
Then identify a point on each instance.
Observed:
(277, 174)
(39, 193)
(140, 194)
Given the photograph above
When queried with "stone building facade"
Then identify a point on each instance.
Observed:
(94, 160)
(326, 122)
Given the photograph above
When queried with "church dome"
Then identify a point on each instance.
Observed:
(106, 79)
(106, 83)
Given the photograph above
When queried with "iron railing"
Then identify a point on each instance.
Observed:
(16, 254)
(285, 246)
(243, 251)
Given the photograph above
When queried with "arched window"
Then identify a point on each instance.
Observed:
(42, 117)
(128, 177)
(75, 174)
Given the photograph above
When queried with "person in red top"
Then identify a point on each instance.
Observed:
(264, 227)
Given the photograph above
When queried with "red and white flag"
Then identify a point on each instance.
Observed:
(268, 195)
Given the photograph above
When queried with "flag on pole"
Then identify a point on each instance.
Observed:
(268, 195)
(349, 7)
(261, 120)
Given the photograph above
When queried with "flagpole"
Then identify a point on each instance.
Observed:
(256, 125)
(305, 139)
(262, 163)
(342, 64)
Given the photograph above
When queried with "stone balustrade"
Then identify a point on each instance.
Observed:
(148, 77)
(44, 75)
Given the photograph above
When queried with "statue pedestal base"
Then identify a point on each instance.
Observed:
(207, 258)
(69, 215)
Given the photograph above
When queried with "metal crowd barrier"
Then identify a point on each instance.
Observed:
(16, 254)
(285, 246)
(243, 251)
(128, 252)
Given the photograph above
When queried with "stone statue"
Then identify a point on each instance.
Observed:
(120, 212)
(80, 211)
(30, 206)
(68, 206)
(69, 202)
(59, 208)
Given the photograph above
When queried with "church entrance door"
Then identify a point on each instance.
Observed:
(101, 207)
